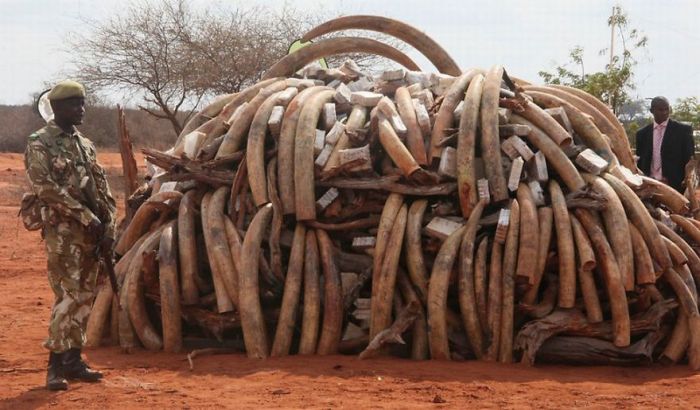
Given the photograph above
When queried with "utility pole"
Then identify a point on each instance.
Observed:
(612, 45)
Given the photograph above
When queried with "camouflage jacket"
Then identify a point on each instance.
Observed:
(57, 166)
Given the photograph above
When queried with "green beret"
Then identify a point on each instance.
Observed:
(66, 89)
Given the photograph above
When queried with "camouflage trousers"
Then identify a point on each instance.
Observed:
(72, 273)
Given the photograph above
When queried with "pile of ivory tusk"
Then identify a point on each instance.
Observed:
(459, 215)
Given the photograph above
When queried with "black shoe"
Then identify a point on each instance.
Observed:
(74, 368)
(54, 375)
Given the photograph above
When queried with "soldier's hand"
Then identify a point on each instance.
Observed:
(96, 229)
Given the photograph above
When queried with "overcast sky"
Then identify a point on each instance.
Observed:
(524, 36)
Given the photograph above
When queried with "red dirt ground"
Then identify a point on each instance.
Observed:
(157, 379)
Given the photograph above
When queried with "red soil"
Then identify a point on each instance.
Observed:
(164, 380)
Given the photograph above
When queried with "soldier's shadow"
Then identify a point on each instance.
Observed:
(36, 397)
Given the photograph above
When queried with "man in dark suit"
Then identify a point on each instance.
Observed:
(665, 146)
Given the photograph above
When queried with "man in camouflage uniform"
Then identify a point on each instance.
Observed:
(77, 214)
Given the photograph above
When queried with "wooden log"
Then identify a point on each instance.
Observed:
(466, 146)
(392, 334)
(437, 296)
(572, 322)
(529, 237)
(588, 351)
(169, 290)
(304, 196)
(419, 333)
(252, 321)
(126, 152)
(415, 261)
(332, 326)
(490, 144)
(611, 276)
(510, 255)
(384, 280)
(312, 296)
(389, 184)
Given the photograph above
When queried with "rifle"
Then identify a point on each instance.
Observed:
(106, 256)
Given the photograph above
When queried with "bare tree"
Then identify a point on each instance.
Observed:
(171, 56)
(144, 50)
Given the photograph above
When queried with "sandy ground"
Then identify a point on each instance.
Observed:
(165, 380)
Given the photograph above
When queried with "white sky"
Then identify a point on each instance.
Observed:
(526, 36)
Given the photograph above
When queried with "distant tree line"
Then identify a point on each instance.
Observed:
(100, 125)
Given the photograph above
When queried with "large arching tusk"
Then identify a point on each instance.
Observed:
(422, 42)
(289, 64)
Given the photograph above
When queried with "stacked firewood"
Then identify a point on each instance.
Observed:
(464, 215)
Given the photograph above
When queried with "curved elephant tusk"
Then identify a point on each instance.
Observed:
(422, 42)
(289, 64)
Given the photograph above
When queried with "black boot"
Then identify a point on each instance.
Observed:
(74, 368)
(54, 375)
